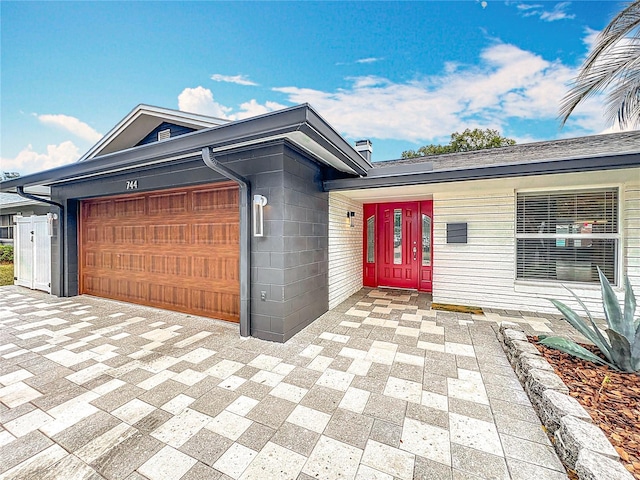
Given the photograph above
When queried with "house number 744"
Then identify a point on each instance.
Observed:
(132, 184)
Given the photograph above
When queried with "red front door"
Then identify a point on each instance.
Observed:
(398, 245)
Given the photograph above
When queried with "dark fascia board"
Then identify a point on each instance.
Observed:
(325, 130)
(299, 118)
(378, 179)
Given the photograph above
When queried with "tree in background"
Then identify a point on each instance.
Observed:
(8, 175)
(466, 141)
(612, 65)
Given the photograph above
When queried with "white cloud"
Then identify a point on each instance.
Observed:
(368, 60)
(508, 83)
(30, 161)
(252, 108)
(526, 7)
(72, 125)
(200, 100)
(559, 11)
(590, 37)
(237, 79)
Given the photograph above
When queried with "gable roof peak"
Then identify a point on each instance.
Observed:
(142, 120)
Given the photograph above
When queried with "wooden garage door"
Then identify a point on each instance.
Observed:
(172, 249)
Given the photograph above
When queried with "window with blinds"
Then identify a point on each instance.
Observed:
(564, 236)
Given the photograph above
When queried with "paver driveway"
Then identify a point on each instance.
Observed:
(381, 387)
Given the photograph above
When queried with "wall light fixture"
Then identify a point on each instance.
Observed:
(352, 221)
(259, 201)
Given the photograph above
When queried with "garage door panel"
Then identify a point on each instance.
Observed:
(227, 304)
(169, 296)
(130, 262)
(169, 234)
(216, 233)
(99, 285)
(128, 207)
(219, 268)
(129, 289)
(172, 265)
(168, 203)
(126, 234)
(215, 199)
(165, 249)
(99, 209)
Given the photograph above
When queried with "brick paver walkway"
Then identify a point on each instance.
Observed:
(381, 387)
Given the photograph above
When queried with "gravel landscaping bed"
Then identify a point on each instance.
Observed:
(576, 433)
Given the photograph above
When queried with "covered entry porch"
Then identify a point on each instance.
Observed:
(381, 238)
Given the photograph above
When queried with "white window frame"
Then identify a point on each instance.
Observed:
(619, 263)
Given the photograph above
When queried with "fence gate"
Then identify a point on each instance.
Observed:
(32, 252)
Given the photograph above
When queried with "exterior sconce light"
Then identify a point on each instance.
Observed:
(351, 216)
(259, 201)
(50, 218)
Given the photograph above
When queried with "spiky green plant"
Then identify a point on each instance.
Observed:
(622, 349)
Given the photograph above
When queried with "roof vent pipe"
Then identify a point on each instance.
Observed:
(364, 148)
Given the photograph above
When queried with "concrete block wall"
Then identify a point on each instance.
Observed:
(345, 248)
(305, 243)
(289, 263)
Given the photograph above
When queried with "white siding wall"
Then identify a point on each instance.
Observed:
(482, 272)
(631, 240)
(345, 249)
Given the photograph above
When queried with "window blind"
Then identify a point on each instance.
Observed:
(564, 236)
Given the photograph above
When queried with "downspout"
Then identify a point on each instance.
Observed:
(245, 240)
(20, 191)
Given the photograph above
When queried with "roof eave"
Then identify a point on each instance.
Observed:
(377, 179)
(300, 118)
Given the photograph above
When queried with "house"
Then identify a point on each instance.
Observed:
(273, 220)
(12, 205)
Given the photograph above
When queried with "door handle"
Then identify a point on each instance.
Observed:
(415, 253)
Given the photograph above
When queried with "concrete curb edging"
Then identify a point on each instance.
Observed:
(580, 444)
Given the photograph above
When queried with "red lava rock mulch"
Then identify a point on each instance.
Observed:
(611, 398)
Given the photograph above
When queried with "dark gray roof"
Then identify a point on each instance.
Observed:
(297, 124)
(581, 147)
(597, 152)
(8, 199)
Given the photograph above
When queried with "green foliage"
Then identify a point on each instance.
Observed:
(8, 175)
(466, 141)
(611, 68)
(572, 348)
(6, 253)
(6, 274)
(622, 349)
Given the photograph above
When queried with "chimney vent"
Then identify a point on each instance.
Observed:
(364, 148)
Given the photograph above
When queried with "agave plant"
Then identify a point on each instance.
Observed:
(622, 348)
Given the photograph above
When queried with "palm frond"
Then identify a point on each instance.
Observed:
(623, 105)
(613, 60)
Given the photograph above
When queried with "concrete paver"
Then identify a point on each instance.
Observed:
(379, 387)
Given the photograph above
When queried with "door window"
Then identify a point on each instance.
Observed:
(426, 240)
(397, 236)
(371, 239)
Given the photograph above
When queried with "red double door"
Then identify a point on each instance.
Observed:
(397, 245)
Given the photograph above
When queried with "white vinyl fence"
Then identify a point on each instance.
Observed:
(32, 252)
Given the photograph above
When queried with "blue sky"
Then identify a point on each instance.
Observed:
(402, 74)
